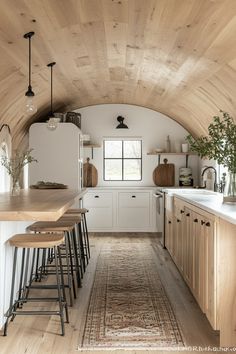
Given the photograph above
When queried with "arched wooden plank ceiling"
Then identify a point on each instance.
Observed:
(174, 56)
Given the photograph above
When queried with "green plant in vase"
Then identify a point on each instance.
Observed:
(220, 145)
(14, 167)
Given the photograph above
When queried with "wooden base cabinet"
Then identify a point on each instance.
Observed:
(226, 260)
(169, 232)
(193, 250)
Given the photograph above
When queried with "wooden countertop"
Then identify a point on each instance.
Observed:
(39, 205)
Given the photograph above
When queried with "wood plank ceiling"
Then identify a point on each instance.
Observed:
(177, 57)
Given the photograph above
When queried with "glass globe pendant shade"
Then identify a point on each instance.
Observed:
(30, 105)
(52, 123)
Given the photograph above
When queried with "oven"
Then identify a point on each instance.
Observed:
(160, 214)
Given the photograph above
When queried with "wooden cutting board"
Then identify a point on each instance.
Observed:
(90, 174)
(164, 174)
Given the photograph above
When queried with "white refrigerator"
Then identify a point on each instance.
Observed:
(59, 153)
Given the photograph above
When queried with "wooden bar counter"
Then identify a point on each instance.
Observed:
(37, 205)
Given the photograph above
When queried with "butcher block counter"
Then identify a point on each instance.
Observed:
(16, 213)
(37, 205)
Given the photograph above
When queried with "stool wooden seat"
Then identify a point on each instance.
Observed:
(37, 241)
(76, 217)
(53, 226)
(78, 210)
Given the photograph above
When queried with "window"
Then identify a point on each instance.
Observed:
(122, 160)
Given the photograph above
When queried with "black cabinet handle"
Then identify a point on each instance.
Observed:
(195, 220)
(181, 211)
(169, 222)
(96, 196)
(178, 220)
(188, 214)
(202, 222)
(133, 196)
(208, 224)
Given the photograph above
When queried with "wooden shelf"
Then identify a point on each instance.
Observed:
(171, 153)
(91, 145)
(186, 154)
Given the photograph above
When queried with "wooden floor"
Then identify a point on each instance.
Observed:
(41, 334)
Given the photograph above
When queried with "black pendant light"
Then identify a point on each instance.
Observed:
(30, 106)
(121, 124)
(52, 121)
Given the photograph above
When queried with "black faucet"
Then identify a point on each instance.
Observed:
(215, 181)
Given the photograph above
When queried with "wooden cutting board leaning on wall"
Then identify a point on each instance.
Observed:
(164, 174)
(90, 174)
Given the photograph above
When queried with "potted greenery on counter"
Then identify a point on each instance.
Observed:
(220, 145)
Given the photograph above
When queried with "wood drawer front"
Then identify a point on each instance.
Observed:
(134, 199)
(98, 200)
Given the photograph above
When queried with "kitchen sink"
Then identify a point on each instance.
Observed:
(198, 195)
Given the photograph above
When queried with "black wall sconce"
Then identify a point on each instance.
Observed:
(121, 124)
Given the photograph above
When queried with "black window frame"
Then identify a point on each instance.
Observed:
(122, 159)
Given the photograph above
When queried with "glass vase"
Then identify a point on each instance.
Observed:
(230, 188)
(15, 191)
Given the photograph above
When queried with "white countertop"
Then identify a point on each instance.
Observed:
(212, 203)
(122, 187)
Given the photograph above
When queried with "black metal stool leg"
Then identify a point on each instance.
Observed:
(9, 312)
(71, 263)
(59, 293)
(69, 276)
(21, 276)
(72, 235)
(63, 284)
(31, 274)
(81, 245)
(86, 233)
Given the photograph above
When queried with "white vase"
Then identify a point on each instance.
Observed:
(230, 188)
(15, 191)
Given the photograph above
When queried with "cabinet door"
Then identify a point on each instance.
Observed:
(100, 215)
(198, 260)
(210, 282)
(188, 247)
(134, 211)
(169, 232)
(178, 234)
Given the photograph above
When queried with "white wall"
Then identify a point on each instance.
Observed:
(100, 121)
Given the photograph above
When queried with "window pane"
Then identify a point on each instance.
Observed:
(132, 170)
(113, 170)
(132, 149)
(113, 149)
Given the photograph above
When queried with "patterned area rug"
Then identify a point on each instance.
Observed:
(128, 306)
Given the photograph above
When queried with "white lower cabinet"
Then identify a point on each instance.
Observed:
(120, 210)
(100, 215)
(134, 210)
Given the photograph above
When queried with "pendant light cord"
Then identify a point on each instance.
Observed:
(29, 62)
(51, 93)
(50, 65)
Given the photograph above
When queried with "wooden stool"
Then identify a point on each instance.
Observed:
(67, 227)
(81, 244)
(29, 241)
(83, 212)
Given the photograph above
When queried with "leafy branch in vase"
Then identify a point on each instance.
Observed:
(15, 165)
